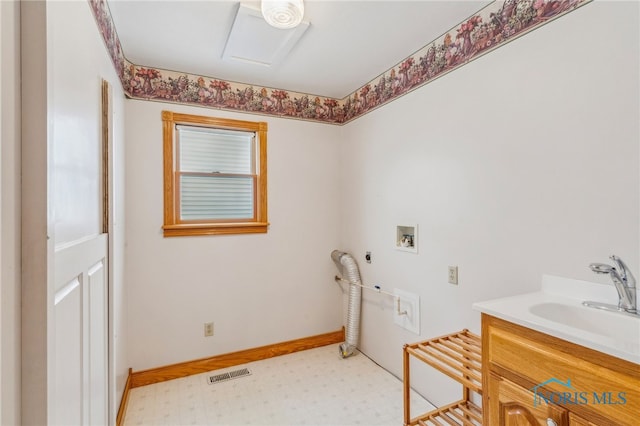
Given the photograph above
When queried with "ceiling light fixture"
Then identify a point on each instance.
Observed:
(283, 14)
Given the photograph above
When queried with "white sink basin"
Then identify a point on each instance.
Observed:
(557, 310)
(612, 325)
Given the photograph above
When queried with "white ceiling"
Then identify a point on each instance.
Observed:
(347, 44)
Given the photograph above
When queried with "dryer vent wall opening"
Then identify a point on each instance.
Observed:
(348, 268)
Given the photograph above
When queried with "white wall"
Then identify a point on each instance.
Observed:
(258, 289)
(62, 73)
(521, 163)
(10, 213)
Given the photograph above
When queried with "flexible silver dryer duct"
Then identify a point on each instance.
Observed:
(349, 270)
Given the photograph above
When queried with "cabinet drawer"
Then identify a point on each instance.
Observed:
(579, 379)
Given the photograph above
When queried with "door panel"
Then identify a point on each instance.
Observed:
(80, 338)
(68, 353)
(98, 343)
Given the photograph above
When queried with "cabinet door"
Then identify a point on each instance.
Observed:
(579, 421)
(512, 405)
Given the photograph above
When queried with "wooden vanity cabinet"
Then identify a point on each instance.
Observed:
(587, 387)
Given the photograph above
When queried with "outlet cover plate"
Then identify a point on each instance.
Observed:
(208, 329)
(453, 275)
(409, 303)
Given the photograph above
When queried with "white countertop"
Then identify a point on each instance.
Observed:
(557, 310)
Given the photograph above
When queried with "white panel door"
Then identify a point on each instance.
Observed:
(80, 334)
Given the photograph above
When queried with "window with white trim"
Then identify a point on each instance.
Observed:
(215, 175)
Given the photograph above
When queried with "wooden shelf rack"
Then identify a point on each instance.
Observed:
(459, 356)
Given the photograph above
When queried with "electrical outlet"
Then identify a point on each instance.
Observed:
(406, 310)
(208, 329)
(453, 275)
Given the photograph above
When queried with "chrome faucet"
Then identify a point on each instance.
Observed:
(623, 280)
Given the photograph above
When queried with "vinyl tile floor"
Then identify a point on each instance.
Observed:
(314, 387)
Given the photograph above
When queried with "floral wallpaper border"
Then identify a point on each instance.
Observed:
(495, 25)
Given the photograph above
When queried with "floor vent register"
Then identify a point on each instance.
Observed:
(228, 376)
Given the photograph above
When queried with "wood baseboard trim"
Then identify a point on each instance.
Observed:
(183, 369)
(124, 401)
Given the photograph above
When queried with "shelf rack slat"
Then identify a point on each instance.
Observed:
(457, 355)
(462, 412)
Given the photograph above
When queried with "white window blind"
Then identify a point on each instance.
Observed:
(217, 173)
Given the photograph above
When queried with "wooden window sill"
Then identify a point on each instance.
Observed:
(214, 229)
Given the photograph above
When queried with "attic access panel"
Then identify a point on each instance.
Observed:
(252, 40)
